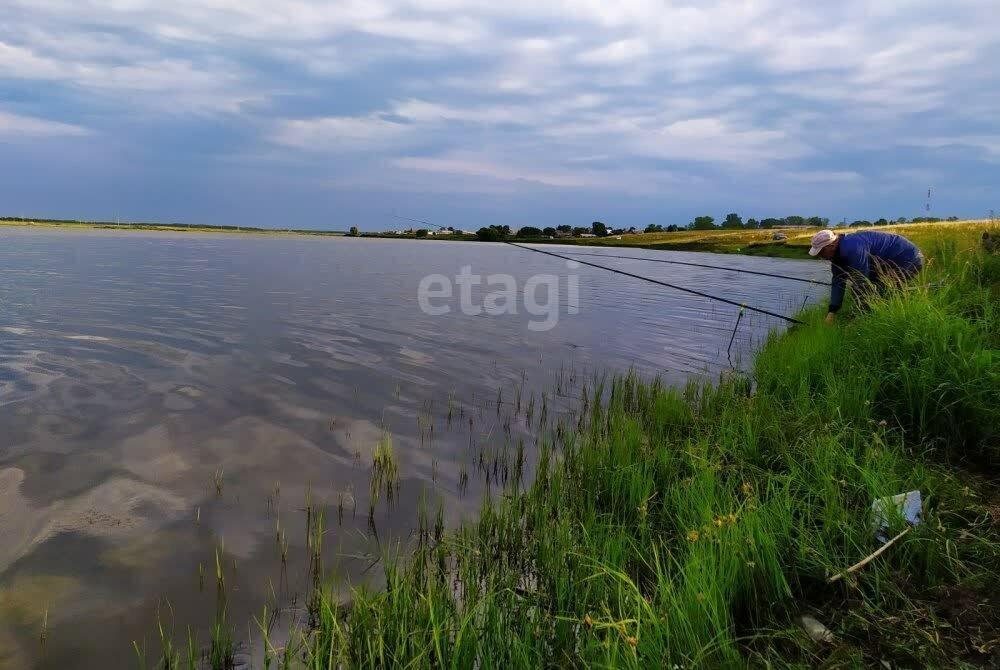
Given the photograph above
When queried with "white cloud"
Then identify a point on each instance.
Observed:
(17, 126)
(23, 63)
(715, 139)
(422, 111)
(341, 134)
(987, 143)
(479, 166)
(824, 176)
(710, 139)
(528, 114)
(497, 169)
(170, 85)
(621, 52)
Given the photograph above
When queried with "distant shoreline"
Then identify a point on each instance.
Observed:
(747, 242)
(169, 227)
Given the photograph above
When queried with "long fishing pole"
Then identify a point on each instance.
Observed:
(701, 265)
(406, 218)
(662, 283)
(727, 301)
(663, 260)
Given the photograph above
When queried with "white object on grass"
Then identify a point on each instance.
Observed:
(814, 629)
(907, 504)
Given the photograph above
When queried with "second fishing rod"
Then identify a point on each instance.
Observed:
(683, 289)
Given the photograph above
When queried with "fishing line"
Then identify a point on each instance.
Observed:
(662, 283)
(406, 218)
(702, 265)
(708, 296)
(729, 351)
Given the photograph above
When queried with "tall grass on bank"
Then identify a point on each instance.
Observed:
(691, 528)
(688, 528)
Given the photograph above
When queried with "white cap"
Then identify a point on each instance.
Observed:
(821, 239)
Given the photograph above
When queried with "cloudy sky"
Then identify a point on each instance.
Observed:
(327, 114)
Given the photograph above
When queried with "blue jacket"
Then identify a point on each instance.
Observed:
(864, 256)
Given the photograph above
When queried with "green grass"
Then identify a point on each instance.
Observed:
(692, 527)
(760, 242)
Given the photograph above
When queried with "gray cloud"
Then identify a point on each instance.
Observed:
(16, 125)
(640, 97)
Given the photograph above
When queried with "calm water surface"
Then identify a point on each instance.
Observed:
(134, 367)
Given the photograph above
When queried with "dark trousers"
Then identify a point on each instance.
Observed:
(888, 276)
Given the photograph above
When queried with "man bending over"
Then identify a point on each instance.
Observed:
(870, 259)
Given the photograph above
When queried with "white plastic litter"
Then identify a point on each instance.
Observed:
(814, 629)
(908, 504)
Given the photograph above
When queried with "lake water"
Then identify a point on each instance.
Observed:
(142, 372)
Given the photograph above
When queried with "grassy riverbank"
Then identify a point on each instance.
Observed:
(761, 242)
(692, 528)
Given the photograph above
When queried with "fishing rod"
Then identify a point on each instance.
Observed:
(701, 265)
(662, 283)
(727, 301)
(406, 218)
(664, 260)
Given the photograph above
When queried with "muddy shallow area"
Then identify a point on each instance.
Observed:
(166, 398)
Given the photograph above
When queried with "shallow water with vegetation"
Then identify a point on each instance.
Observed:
(733, 524)
(180, 409)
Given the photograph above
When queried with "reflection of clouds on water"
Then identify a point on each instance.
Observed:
(143, 552)
(17, 518)
(24, 600)
(118, 507)
(86, 338)
(417, 357)
(12, 654)
(152, 456)
(287, 359)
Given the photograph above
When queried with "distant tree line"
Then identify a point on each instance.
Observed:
(501, 233)
(494, 233)
(734, 221)
(596, 229)
(883, 222)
